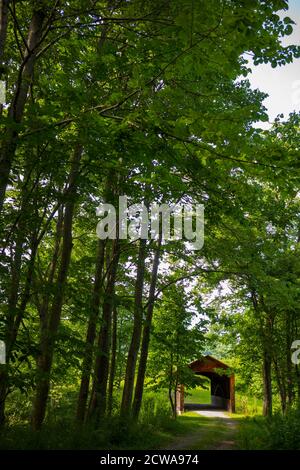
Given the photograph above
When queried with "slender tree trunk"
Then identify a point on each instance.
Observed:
(267, 384)
(170, 393)
(48, 335)
(3, 392)
(136, 335)
(175, 398)
(98, 403)
(43, 307)
(16, 110)
(266, 326)
(3, 26)
(13, 332)
(298, 383)
(139, 387)
(14, 287)
(91, 334)
(3, 35)
(119, 354)
(112, 371)
(170, 389)
(24, 297)
(281, 386)
(17, 302)
(289, 373)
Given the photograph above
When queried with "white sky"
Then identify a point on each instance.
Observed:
(281, 83)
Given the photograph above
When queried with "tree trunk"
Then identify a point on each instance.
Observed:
(91, 334)
(170, 393)
(136, 335)
(48, 333)
(298, 383)
(17, 301)
(119, 354)
(267, 384)
(112, 371)
(99, 394)
(13, 332)
(139, 387)
(3, 35)
(16, 110)
(3, 26)
(289, 372)
(281, 386)
(266, 327)
(175, 399)
(170, 390)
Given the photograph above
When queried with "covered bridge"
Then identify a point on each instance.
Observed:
(221, 379)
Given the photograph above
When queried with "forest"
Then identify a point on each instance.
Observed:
(149, 102)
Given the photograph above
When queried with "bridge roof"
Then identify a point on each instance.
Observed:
(207, 364)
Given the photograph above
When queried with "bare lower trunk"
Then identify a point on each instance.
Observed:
(136, 335)
(3, 35)
(3, 26)
(99, 395)
(49, 332)
(91, 334)
(14, 290)
(17, 301)
(267, 384)
(139, 387)
(3, 391)
(297, 371)
(170, 390)
(281, 386)
(266, 327)
(112, 370)
(170, 393)
(289, 372)
(12, 334)
(175, 402)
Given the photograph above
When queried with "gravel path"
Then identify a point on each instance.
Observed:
(227, 441)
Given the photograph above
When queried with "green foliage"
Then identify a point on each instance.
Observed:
(285, 431)
(176, 341)
(277, 433)
(156, 95)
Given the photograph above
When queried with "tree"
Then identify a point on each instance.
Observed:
(177, 339)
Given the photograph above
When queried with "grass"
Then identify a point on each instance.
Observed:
(208, 432)
(248, 405)
(252, 430)
(198, 395)
(276, 433)
(253, 434)
(114, 435)
(156, 428)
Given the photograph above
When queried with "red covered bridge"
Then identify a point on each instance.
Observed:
(222, 387)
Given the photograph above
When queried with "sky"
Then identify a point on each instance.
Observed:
(282, 84)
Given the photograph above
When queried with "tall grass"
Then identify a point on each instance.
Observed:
(61, 432)
(276, 433)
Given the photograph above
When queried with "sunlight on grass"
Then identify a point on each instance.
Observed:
(198, 395)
